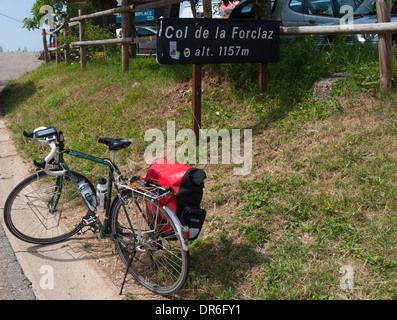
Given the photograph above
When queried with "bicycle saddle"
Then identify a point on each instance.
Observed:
(115, 144)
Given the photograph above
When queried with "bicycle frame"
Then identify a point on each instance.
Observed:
(104, 228)
(112, 168)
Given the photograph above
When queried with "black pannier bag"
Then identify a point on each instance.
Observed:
(187, 183)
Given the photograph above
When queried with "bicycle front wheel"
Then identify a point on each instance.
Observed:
(43, 209)
(148, 244)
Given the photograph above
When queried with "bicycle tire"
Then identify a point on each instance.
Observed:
(37, 213)
(159, 261)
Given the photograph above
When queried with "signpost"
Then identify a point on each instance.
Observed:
(210, 41)
(199, 41)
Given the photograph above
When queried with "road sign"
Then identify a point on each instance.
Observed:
(208, 41)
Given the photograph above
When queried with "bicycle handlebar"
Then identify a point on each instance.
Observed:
(32, 135)
(49, 136)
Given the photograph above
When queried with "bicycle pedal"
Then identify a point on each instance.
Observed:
(90, 221)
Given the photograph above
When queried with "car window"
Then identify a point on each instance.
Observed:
(247, 11)
(142, 32)
(352, 3)
(244, 11)
(248, 8)
(394, 8)
(321, 8)
(368, 7)
(296, 5)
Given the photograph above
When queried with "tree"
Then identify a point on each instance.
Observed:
(39, 15)
(101, 5)
(63, 8)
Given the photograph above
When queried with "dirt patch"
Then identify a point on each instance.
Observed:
(322, 87)
(182, 93)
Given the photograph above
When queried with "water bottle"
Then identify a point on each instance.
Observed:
(101, 193)
(87, 194)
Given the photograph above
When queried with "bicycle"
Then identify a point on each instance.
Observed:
(57, 202)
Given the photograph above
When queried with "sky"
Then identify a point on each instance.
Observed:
(12, 35)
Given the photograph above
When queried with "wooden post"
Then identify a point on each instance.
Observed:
(57, 50)
(207, 8)
(45, 48)
(385, 45)
(262, 9)
(196, 99)
(125, 32)
(83, 49)
(262, 77)
(66, 49)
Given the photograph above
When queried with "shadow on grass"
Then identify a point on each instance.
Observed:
(15, 93)
(218, 268)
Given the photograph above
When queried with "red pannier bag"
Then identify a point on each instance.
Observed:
(187, 184)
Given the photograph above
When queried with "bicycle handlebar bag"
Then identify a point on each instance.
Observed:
(187, 183)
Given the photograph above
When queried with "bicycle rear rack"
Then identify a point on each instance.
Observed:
(146, 187)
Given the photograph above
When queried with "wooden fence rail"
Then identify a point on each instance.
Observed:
(64, 27)
(113, 41)
(370, 28)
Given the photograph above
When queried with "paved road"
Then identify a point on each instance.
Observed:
(14, 285)
(23, 266)
(15, 64)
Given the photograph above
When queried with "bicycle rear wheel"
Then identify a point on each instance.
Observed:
(145, 233)
(43, 209)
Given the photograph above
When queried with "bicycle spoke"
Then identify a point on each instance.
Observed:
(159, 261)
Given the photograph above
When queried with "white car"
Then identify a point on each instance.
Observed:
(297, 12)
(319, 12)
(145, 48)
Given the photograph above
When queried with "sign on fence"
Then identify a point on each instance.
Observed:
(146, 15)
(208, 41)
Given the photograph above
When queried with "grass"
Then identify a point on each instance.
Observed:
(321, 195)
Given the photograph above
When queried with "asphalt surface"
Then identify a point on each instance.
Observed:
(14, 285)
(15, 64)
(26, 270)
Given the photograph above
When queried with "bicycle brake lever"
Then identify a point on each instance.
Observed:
(40, 164)
(26, 135)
